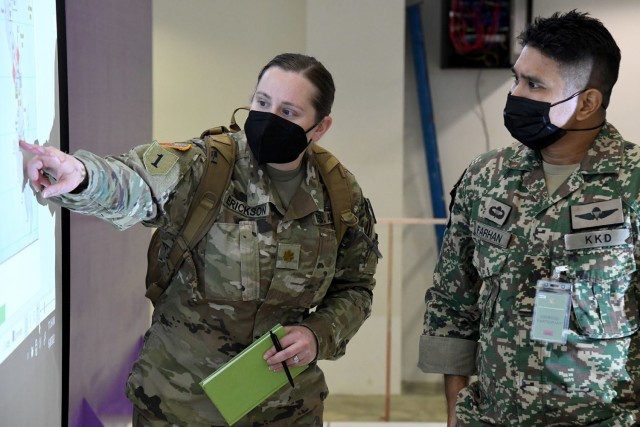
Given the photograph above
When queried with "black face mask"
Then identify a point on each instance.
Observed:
(528, 121)
(273, 139)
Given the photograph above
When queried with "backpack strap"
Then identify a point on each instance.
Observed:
(334, 175)
(207, 199)
(204, 208)
(220, 130)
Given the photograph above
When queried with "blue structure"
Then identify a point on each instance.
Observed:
(414, 23)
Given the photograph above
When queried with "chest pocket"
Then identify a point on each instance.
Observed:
(488, 261)
(604, 299)
(232, 270)
(294, 268)
(304, 266)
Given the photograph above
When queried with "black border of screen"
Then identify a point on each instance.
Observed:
(65, 258)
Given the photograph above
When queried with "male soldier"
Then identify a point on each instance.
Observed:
(536, 289)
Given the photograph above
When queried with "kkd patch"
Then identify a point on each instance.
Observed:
(596, 239)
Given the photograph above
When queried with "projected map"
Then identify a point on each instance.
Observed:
(17, 74)
(27, 232)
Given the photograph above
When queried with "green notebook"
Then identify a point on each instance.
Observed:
(245, 381)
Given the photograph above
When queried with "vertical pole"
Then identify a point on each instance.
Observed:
(387, 396)
(414, 21)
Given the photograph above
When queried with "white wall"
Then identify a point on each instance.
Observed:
(207, 55)
(361, 42)
(457, 113)
(205, 66)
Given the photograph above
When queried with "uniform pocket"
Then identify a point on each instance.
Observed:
(488, 261)
(232, 270)
(604, 300)
(304, 270)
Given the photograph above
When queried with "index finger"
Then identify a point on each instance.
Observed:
(32, 148)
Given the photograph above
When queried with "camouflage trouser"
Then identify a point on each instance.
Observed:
(145, 419)
(142, 418)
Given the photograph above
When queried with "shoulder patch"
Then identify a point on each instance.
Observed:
(182, 146)
(158, 160)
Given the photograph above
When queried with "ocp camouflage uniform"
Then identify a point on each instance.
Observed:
(479, 311)
(259, 265)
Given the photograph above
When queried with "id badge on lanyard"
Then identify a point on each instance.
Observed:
(552, 309)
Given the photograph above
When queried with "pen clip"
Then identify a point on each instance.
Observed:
(276, 344)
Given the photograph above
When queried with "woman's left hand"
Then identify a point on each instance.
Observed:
(299, 348)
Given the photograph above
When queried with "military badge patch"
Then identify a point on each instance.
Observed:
(322, 218)
(181, 146)
(288, 256)
(158, 160)
(495, 211)
(597, 214)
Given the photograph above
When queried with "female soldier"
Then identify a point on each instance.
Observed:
(271, 257)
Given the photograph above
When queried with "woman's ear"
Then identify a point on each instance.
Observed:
(590, 103)
(321, 128)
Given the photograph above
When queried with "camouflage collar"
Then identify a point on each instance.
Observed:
(259, 182)
(604, 156)
(311, 183)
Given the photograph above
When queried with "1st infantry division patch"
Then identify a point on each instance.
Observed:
(158, 160)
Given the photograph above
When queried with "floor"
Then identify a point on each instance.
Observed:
(381, 424)
(418, 406)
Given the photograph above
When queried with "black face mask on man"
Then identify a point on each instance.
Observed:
(273, 139)
(528, 121)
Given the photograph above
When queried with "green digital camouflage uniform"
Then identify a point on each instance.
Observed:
(506, 232)
(260, 265)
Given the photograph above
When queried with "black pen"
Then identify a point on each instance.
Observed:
(278, 347)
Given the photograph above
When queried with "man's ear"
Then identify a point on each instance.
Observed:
(589, 104)
(321, 128)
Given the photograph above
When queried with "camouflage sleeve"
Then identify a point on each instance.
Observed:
(451, 318)
(138, 186)
(347, 303)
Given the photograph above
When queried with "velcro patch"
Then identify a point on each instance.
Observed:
(596, 239)
(322, 218)
(495, 211)
(288, 256)
(492, 235)
(242, 208)
(182, 146)
(158, 160)
(597, 214)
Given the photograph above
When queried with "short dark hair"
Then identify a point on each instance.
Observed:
(315, 72)
(575, 39)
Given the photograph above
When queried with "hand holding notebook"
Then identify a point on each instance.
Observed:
(245, 381)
